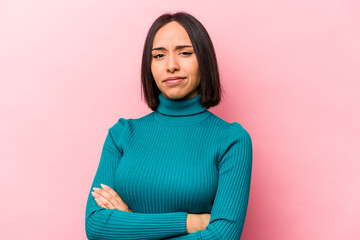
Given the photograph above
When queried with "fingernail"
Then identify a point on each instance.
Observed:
(96, 189)
(94, 194)
(104, 186)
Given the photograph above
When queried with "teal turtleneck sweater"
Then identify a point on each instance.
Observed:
(176, 160)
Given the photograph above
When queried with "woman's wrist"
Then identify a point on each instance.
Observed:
(197, 222)
(190, 223)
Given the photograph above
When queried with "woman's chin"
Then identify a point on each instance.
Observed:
(179, 95)
(174, 96)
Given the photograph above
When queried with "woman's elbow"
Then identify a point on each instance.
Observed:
(90, 228)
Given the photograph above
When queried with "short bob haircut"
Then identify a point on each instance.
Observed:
(209, 88)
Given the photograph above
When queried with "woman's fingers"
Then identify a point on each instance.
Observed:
(102, 202)
(120, 204)
(99, 202)
(108, 198)
(113, 193)
(106, 195)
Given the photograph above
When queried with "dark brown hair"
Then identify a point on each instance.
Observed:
(209, 88)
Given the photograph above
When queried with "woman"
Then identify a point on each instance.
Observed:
(179, 172)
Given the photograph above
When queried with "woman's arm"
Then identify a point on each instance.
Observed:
(231, 200)
(107, 198)
(104, 223)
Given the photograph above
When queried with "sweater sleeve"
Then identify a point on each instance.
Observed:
(101, 223)
(231, 200)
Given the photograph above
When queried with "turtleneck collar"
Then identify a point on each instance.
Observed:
(180, 111)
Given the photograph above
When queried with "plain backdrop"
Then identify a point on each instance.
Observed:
(290, 70)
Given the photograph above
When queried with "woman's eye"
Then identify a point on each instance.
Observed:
(158, 56)
(186, 53)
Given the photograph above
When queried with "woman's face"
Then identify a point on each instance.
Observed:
(174, 65)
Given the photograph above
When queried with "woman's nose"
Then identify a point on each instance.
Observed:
(172, 64)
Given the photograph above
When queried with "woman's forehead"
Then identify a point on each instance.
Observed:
(171, 34)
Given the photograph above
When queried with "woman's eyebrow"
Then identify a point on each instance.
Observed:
(176, 48)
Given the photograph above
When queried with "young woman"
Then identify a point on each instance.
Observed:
(179, 172)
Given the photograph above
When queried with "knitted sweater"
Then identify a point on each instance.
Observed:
(176, 160)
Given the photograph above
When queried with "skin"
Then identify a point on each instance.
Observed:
(107, 198)
(172, 55)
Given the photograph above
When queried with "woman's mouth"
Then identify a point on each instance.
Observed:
(174, 81)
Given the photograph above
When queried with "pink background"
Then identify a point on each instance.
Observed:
(291, 69)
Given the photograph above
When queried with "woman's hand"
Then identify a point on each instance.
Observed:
(107, 198)
(197, 222)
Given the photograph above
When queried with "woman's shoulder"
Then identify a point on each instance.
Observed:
(119, 125)
(123, 122)
(229, 128)
(234, 137)
(122, 128)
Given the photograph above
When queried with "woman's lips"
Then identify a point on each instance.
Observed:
(174, 81)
